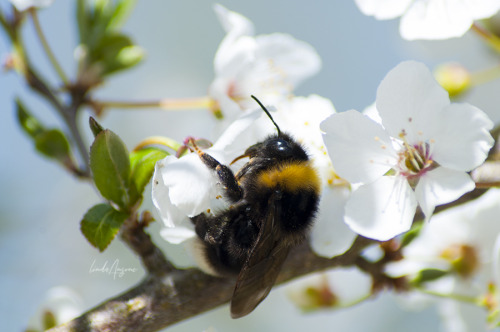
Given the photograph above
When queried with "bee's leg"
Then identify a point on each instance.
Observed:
(208, 228)
(233, 191)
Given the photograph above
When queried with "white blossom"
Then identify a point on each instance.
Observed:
(419, 155)
(431, 19)
(23, 5)
(62, 303)
(462, 242)
(267, 66)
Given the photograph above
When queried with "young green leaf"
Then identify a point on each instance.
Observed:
(110, 165)
(95, 126)
(428, 275)
(54, 144)
(83, 20)
(412, 234)
(101, 224)
(28, 122)
(143, 165)
(115, 52)
(127, 57)
(51, 143)
(121, 12)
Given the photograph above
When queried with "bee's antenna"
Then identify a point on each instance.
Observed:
(267, 112)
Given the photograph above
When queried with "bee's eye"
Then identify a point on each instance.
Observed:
(281, 147)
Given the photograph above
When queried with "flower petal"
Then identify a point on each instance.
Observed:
(383, 9)
(382, 209)
(460, 316)
(330, 236)
(439, 186)
(443, 19)
(177, 234)
(296, 60)
(496, 261)
(486, 9)
(233, 22)
(23, 5)
(434, 20)
(248, 129)
(183, 188)
(464, 139)
(161, 196)
(409, 99)
(360, 149)
(237, 47)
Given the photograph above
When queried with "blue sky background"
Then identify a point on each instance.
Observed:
(41, 206)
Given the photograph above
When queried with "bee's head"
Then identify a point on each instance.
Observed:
(279, 147)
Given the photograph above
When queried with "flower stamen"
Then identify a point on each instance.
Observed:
(414, 159)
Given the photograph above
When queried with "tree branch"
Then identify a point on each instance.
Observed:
(168, 295)
(161, 301)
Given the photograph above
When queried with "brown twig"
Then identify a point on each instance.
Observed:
(158, 302)
(140, 242)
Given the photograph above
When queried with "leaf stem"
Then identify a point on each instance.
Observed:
(492, 40)
(158, 140)
(457, 297)
(166, 104)
(46, 47)
(485, 76)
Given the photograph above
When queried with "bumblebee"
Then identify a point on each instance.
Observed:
(274, 198)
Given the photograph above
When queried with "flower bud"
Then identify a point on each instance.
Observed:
(453, 77)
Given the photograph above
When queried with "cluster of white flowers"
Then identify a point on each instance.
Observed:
(269, 66)
(464, 244)
(412, 148)
(418, 155)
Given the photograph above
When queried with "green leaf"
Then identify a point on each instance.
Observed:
(412, 234)
(54, 144)
(115, 52)
(95, 126)
(143, 165)
(121, 12)
(101, 224)
(28, 122)
(108, 47)
(82, 20)
(428, 275)
(127, 57)
(110, 165)
(51, 143)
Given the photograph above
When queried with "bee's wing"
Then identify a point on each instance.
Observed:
(262, 267)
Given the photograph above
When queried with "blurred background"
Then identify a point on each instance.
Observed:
(41, 205)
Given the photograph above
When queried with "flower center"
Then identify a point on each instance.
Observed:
(463, 258)
(414, 160)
